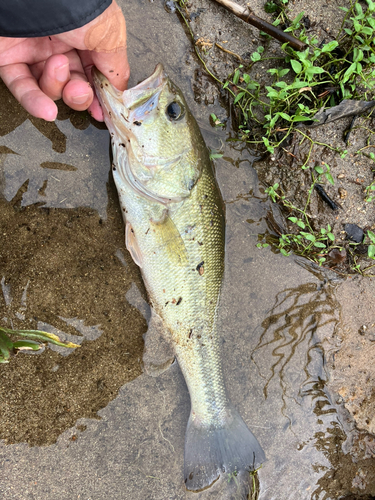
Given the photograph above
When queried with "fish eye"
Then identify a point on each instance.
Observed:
(174, 111)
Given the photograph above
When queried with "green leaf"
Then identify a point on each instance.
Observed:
(300, 118)
(255, 56)
(285, 116)
(308, 236)
(284, 252)
(357, 25)
(331, 236)
(319, 169)
(38, 335)
(328, 47)
(297, 66)
(253, 86)
(236, 76)
(348, 73)
(27, 344)
(330, 179)
(366, 30)
(358, 8)
(238, 97)
(358, 55)
(281, 85)
(293, 219)
(319, 244)
(301, 224)
(371, 251)
(315, 70)
(371, 235)
(283, 72)
(4, 349)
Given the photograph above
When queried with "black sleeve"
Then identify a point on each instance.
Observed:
(32, 18)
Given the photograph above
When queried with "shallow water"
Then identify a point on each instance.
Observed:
(97, 427)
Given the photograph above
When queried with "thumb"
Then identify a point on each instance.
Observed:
(114, 66)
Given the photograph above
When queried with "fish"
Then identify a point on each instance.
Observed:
(174, 230)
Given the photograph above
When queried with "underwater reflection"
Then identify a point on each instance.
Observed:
(298, 336)
(296, 328)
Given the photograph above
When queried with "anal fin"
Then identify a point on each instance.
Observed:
(158, 354)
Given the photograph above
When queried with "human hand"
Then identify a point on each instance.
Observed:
(39, 71)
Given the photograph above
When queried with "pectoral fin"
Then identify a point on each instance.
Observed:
(158, 354)
(132, 245)
(170, 239)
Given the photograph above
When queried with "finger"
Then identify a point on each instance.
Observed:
(55, 75)
(95, 110)
(73, 59)
(24, 87)
(114, 66)
(78, 93)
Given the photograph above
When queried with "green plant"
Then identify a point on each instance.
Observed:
(326, 173)
(216, 121)
(370, 192)
(319, 76)
(371, 247)
(271, 191)
(254, 493)
(214, 155)
(304, 241)
(10, 347)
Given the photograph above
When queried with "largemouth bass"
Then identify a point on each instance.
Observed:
(175, 233)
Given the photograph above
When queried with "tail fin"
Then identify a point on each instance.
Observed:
(211, 451)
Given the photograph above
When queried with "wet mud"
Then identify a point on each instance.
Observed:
(296, 341)
(65, 271)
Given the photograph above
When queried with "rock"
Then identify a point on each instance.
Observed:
(354, 233)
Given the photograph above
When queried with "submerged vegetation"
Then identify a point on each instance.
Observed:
(31, 340)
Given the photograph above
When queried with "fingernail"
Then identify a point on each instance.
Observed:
(80, 99)
(61, 73)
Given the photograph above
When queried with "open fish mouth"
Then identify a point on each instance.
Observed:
(131, 104)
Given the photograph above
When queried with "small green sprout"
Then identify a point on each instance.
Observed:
(9, 347)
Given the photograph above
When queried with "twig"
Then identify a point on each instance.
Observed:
(229, 52)
(246, 15)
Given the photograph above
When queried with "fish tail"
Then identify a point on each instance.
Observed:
(212, 451)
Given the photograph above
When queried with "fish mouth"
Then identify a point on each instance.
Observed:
(118, 105)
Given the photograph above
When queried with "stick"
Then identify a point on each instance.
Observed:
(246, 15)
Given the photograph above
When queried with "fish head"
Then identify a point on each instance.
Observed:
(155, 140)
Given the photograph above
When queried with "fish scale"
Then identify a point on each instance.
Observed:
(175, 232)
